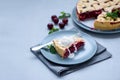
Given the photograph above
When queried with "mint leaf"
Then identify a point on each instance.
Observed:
(64, 15)
(53, 30)
(52, 49)
(68, 15)
(113, 15)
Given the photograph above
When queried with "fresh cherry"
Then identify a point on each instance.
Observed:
(56, 20)
(52, 17)
(61, 25)
(50, 26)
(65, 20)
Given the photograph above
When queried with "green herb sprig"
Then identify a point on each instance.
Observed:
(53, 30)
(113, 15)
(64, 15)
(52, 49)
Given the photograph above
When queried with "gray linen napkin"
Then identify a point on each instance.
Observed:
(61, 70)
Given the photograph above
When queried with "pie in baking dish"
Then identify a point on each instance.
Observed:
(99, 9)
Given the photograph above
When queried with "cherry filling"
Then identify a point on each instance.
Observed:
(71, 49)
(66, 54)
(82, 16)
(89, 14)
(97, 12)
(79, 44)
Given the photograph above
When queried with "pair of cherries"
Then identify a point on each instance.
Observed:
(55, 19)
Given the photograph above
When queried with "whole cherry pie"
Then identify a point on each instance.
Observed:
(93, 8)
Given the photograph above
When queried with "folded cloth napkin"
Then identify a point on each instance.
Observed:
(61, 70)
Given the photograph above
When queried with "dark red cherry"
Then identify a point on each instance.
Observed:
(79, 44)
(53, 16)
(56, 20)
(65, 20)
(61, 25)
(50, 26)
(97, 12)
(82, 16)
(72, 48)
(66, 54)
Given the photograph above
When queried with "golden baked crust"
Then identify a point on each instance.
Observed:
(106, 23)
(92, 8)
(59, 49)
(83, 6)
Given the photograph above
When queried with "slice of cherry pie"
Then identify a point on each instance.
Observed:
(68, 45)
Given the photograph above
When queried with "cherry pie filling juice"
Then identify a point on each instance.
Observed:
(89, 14)
(72, 48)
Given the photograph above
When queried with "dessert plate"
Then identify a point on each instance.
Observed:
(82, 55)
(89, 24)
